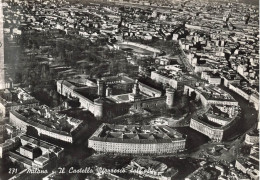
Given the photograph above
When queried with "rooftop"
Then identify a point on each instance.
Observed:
(214, 93)
(46, 117)
(136, 134)
(40, 143)
(203, 119)
(16, 96)
(45, 124)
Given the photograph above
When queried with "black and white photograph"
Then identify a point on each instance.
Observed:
(129, 90)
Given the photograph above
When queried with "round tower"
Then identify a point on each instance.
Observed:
(169, 97)
(100, 84)
(136, 89)
(108, 91)
(98, 108)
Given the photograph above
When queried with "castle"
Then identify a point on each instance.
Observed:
(116, 95)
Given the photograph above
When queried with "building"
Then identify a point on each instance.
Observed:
(153, 169)
(116, 95)
(164, 79)
(210, 95)
(247, 93)
(230, 77)
(254, 153)
(221, 112)
(219, 115)
(8, 145)
(149, 90)
(212, 78)
(34, 153)
(13, 99)
(30, 151)
(247, 166)
(213, 132)
(218, 119)
(44, 146)
(134, 139)
(252, 137)
(28, 118)
(199, 173)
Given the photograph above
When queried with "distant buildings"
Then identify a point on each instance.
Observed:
(173, 77)
(211, 77)
(247, 93)
(134, 139)
(164, 79)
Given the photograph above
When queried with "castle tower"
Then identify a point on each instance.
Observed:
(136, 89)
(108, 91)
(101, 84)
(170, 97)
(98, 108)
(2, 73)
(135, 95)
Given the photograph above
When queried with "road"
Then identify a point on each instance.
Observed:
(185, 60)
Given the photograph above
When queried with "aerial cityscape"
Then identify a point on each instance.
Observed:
(127, 89)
